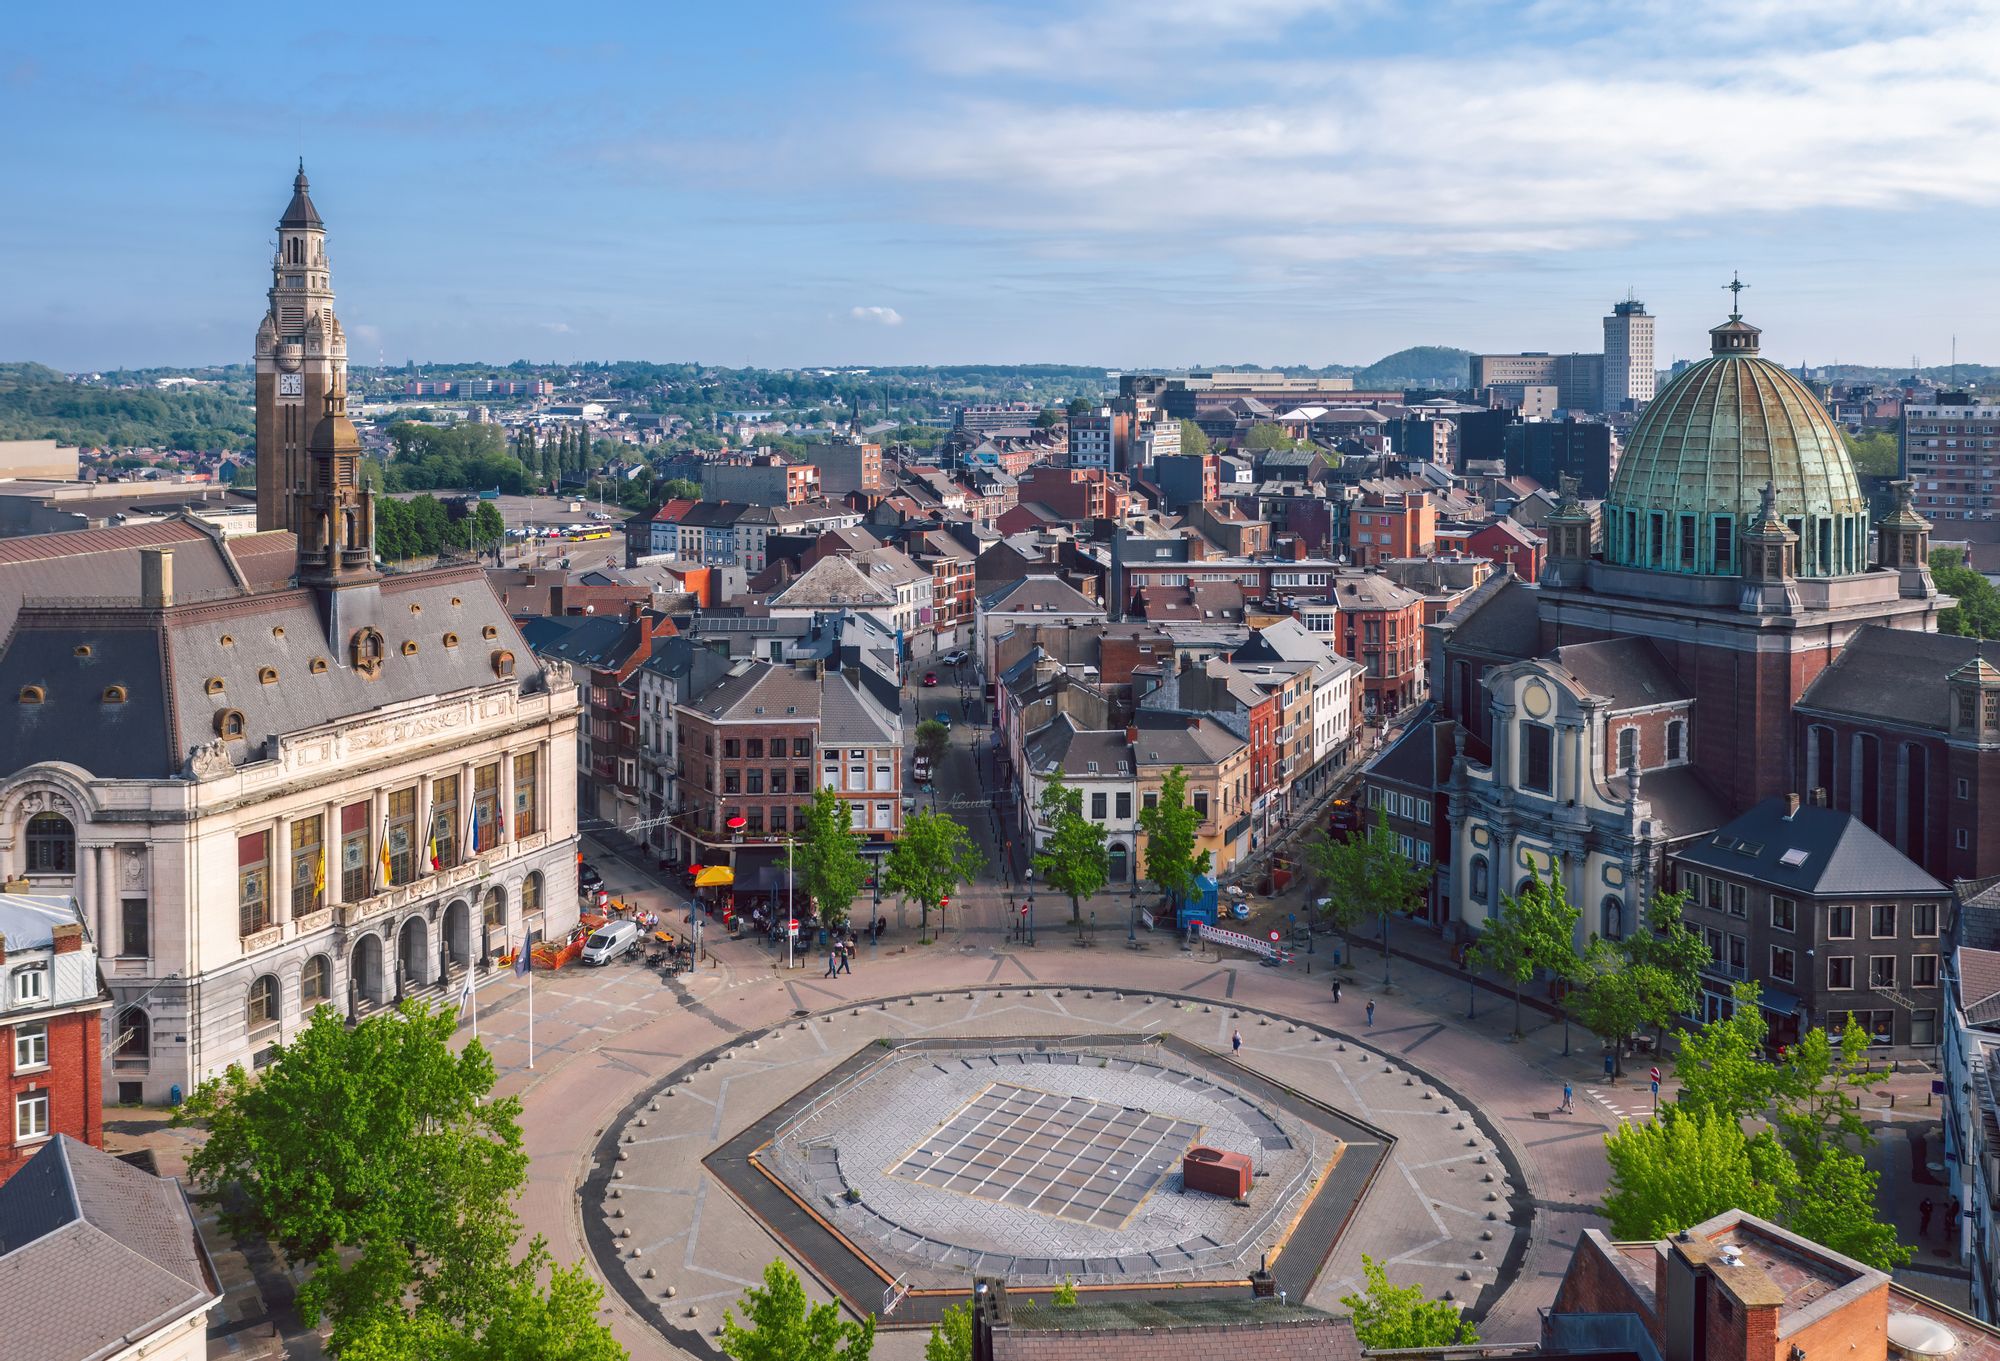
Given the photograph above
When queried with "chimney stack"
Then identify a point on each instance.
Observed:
(1791, 806)
(67, 938)
(156, 577)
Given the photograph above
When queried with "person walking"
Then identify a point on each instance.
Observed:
(1371, 1015)
(1924, 1215)
(1569, 1099)
(1336, 989)
(832, 963)
(1235, 1041)
(847, 956)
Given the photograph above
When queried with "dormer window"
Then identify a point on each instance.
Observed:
(212, 686)
(229, 724)
(503, 663)
(31, 694)
(114, 694)
(365, 652)
(317, 666)
(267, 675)
(409, 647)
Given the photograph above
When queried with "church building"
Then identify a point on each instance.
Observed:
(301, 357)
(1730, 640)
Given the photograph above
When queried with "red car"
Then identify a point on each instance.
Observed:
(930, 678)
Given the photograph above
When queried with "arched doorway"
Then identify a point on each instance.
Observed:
(364, 973)
(458, 932)
(1120, 863)
(412, 965)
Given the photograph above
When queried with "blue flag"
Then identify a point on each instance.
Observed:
(524, 961)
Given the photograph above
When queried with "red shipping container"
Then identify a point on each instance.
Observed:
(1216, 1171)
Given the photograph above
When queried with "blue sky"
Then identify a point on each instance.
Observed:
(1124, 182)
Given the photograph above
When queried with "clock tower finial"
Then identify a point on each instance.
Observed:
(301, 357)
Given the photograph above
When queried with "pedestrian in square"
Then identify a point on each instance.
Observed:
(847, 956)
(1924, 1215)
(1569, 1099)
(832, 963)
(1235, 1041)
(1371, 1015)
(1336, 989)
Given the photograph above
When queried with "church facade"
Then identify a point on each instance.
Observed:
(1731, 639)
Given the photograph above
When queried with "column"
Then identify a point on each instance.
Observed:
(281, 873)
(421, 851)
(465, 811)
(86, 889)
(329, 842)
(107, 900)
(507, 798)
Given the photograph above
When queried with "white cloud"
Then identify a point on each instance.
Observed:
(880, 316)
(1701, 116)
(559, 328)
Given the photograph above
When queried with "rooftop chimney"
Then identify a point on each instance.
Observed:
(1791, 806)
(67, 938)
(156, 577)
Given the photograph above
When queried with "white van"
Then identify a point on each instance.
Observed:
(610, 941)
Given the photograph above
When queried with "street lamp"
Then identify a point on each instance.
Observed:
(1031, 901)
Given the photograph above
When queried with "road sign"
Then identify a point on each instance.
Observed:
(944, 902)
(1654, 1074)
(1239, 941)
(1275, 938)
(1024, 909)
(792, 927)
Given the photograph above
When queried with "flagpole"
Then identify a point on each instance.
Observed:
(531, 1009)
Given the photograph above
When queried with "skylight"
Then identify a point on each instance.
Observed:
(1792, 858)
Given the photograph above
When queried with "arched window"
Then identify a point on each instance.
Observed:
(262, 1012)
(135, 1035)
(503, 663)
(495, 911)
(531, 895)
(1481, 883)
(229, 724)
(51, 844)
(1677, 740)
(365, 652)
(316, 981)
(1614, 917)
(1628, 748)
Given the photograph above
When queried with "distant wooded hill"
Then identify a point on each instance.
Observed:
(36, 402)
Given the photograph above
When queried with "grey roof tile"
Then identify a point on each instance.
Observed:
(1838, 855)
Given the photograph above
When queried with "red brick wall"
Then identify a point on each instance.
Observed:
(1594, 1285)
(74, 1081)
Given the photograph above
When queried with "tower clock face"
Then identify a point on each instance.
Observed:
(291, 385)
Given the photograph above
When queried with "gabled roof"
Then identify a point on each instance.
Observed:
(1630, 672)
(1040, 595)
(94, 1253)
(1815, 852)
(1895, 674)
(1500, 619)
(1979, 985)
(835, 580)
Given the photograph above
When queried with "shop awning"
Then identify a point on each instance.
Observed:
(1779, 1004)
(715, 876)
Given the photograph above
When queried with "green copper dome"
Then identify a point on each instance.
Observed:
(1691, 479)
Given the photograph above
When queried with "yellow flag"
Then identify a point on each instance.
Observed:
(388, 874)
(319, 875)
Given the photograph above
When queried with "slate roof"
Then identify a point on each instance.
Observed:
(1409, 760)
(1081, 752)
(834, 580)
(1839, 855)
(1206, 1330)
(1979, 985)
(1500, 619)
(165, 661)
(1895, 675)
(105, 563)
(1370, 591)
(1039, 594)
(94, 1251)
(300, 211)
(1630, 672)
(1680, 797)
(1176, 743)
(850, 716)
(28, 920)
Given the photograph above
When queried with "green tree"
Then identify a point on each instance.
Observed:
(1390, 1317)
(489, 527)
(1676, 1171)
(932, 739)
(1536, 929)
(1073, 859)
(377, 1154)
(1721, 1068)
(1873, 451)
(830, 866)
(526, 1324)
(1171, 827)
(1366, 876)
(679, 489)
(1975, 612)
(930, 860)
(951, 1335)
(1194, 440)
(1646, 979)
(1832, 1201)
(785, 1326)
(1265, 435)
(1080, 406)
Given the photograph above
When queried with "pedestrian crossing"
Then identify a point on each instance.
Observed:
(1610, 1102)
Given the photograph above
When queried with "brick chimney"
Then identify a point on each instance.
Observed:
(156, 577)
(1791, 806)
(3, 947)
(68, 938)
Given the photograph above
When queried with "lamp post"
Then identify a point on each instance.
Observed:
(1031, 901)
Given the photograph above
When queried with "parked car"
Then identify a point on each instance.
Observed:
(930, 678)
(944, 717)
(922, 769)
(588, 879)
(610, 941)
(956, 657)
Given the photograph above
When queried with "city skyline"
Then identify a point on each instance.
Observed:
(1262, 181)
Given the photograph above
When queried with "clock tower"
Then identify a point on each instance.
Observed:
(301, 359)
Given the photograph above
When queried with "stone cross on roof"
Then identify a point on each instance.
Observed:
(1735, 287)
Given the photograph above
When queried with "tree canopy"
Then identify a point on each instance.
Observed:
(1392, 1317)
(1172, 827)
(1366, 875)
(1073, 859)
(1536, 929)
(376, 1154)
(829, 864)
(1975, 611)
(783, 1325)
(1194, 440)
(37, 402)
(929, 862)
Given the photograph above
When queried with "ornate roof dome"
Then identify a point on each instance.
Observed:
(1691, 478)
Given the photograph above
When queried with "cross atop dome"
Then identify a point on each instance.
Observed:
(1735, 284)
(1735, 336)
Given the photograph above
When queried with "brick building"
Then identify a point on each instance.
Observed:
(1381, 625)
(1391, 525)
(52, 1006)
